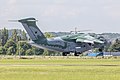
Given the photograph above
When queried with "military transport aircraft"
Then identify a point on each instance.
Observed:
(75, 43)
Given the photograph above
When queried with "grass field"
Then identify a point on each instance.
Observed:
(59, 69)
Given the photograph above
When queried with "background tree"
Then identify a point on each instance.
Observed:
(15, 36)
(0, 42)
(21, 51)
(46, 52)
(29, 52)
(37, 51)
(22, 47)
(115, 47)
(11, 46)
(48, 35)
(0, 37)
(24, 36)
(4, 36)
(11, 51)
(2, 51)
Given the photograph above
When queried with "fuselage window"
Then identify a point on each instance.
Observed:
(84, 46)
(35, 32)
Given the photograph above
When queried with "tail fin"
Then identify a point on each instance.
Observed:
(32, 29)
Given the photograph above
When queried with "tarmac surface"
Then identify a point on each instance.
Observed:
(52, 65)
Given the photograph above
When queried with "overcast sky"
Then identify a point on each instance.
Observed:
(63, 15)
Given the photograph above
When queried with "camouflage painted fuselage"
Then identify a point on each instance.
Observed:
(68, 43)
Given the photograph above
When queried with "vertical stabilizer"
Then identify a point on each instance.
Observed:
(32, 29)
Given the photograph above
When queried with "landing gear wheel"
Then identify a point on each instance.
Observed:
(64, 54)
(100, 50)
(76, 54)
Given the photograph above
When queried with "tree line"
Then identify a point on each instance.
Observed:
(17, 44)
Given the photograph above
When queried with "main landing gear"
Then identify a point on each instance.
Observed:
(65, 53)
(76, 53)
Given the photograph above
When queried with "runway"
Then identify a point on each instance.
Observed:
(107, 65)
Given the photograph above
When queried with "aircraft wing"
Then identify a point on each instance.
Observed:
(83, 40)
(88, 39)
(98, 41)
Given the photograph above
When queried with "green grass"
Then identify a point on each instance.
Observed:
(59, 69)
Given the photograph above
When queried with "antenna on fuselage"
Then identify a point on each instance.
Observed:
(78, 31)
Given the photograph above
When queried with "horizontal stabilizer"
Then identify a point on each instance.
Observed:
(13, 20)
(20, 20)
